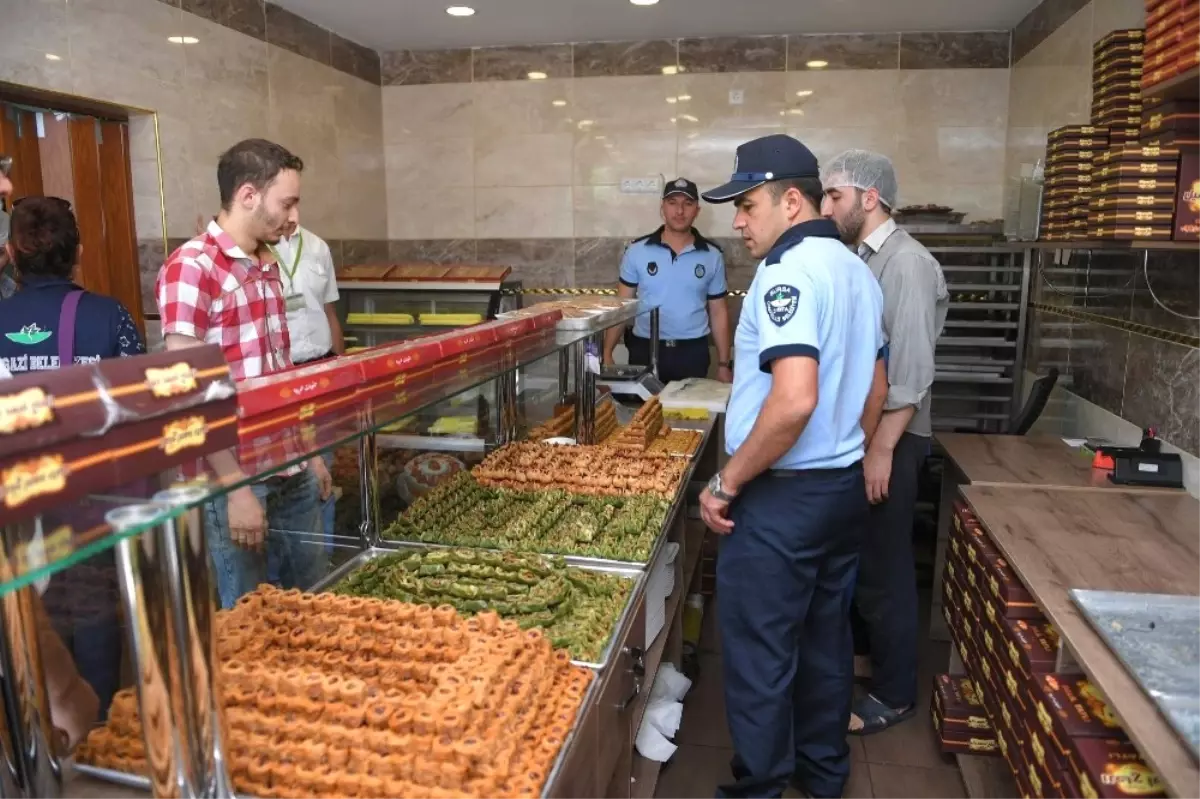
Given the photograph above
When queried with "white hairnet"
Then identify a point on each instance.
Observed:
(865, 170)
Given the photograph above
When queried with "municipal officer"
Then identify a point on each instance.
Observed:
(684, 274)
(791, 502)
(860, 191)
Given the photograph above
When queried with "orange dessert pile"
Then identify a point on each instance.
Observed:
(593, 471)
(327, 695)
(644, 428)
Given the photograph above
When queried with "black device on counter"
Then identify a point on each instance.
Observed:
(1145, 464)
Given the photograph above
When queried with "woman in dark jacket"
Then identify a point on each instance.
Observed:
(50, 321)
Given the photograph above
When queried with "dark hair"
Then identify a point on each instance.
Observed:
(254, 161)
(809, 188)
(44, 236)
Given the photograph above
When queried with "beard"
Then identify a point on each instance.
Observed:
(270, 228)
(850, 228)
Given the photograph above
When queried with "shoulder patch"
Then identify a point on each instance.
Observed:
(781, 302)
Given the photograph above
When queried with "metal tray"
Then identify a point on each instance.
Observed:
(622, 569)
(136, 781)
(599, 321)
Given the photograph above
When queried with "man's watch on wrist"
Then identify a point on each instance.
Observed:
(725, 364)
(717, 489)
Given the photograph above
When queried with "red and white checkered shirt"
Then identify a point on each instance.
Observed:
(212, 291)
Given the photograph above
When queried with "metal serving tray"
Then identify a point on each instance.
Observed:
(142, 783)
(633, 573)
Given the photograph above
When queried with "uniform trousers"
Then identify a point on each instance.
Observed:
(687, 358)
(785, 580)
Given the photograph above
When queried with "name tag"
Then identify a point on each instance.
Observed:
(295, 302)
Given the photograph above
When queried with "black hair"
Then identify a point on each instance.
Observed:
(44, 236)
(254, 161)
(809, 188)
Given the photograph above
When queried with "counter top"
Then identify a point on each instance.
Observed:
(1033, 461)
(1056, 540)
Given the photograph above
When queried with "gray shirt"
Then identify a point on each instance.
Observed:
(915, 301)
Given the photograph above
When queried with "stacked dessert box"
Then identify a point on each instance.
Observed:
(1172, 40)
(1070, 154)
(1057, 734)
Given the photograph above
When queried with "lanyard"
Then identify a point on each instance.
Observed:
(291, 273)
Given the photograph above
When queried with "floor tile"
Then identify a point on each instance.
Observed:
(694, 771)
(710, 638)
(704, 708)
(859, 786)
(928, 783)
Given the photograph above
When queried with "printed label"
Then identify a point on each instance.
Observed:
(184, 434)
(308, 410)
(45, 474)
(25, 410)
(179, 378)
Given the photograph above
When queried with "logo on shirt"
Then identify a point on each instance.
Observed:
(29, 335)
(652, 268)
(782, 301)
(699, 270)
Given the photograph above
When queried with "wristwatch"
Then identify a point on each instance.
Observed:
(725, 364)
(718, 490)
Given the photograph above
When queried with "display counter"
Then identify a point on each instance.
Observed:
(260, 698)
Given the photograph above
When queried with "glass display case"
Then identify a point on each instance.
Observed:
(394, 302)
(325, 679)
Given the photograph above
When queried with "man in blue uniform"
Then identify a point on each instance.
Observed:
(791, 503)
(682, 273)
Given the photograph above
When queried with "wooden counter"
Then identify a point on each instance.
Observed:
(1057, 539)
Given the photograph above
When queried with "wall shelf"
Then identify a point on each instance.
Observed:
(1185, 86)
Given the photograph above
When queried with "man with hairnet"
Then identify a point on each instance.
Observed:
(860, 193)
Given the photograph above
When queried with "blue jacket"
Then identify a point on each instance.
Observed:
(29, 327)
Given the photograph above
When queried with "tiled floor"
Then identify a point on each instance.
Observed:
(904, 761)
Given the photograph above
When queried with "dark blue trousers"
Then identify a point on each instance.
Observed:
(785, 579)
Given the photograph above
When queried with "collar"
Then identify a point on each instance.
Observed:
(699, 242)
(45, 282)
(231, 248)
(289, 241)
(880, 235)
(816, 228)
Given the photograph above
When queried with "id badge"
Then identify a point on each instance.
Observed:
(295, 302)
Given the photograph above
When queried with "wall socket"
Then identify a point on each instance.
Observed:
(737, 96)
(639, 186)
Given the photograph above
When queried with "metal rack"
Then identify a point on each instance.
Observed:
(980, 355)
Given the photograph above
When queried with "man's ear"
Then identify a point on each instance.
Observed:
(870, 199)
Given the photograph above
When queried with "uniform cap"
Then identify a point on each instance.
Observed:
(774, 157)
(864, 170)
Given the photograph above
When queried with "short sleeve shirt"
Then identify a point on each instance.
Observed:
(680, 284)
(811, 297)
(309, 284)
(212, 291)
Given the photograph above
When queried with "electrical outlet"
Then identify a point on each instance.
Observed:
(639, 185)
(737, 96)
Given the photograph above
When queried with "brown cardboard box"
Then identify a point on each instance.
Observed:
(960, 718)
(1137, 153)
(1132, 202)
(1137, 169)
(1111, 768)
(1187, 209)
(1132, 233)
(1012, 597)
(1130, 217)
(1137, 185)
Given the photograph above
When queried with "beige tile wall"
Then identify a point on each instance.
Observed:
(1052, 85)
(207, 96)
(544, 159)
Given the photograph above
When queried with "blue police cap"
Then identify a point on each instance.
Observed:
(774, 157)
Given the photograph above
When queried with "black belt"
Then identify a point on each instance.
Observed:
(325, 357)
(675, 342)
(857, 465)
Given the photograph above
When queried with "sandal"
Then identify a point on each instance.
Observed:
(877, 717)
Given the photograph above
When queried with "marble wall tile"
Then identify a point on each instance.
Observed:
(1098, 364)
(1110, 284)
(614, 59)
(427, 112)
(955, 97)
(982, 50)
(1175, 283)
(438, 251)
(135, 72)
(371, 251)
(244, 16)
(1162, 389)
(606, 158)
(708, 105)
(335, 251)
(412, 67)
(1111, 15)
(740, 265)
(293, 32)
(538, 159)
(362, 185)
(844, 51)
(603, 211)
(536, 262)
(442, 214)
(424, 166)
(151, 256)
(536, 212)
(1039, 23)
(503, 108)
(229, 64)
(519, 62)
(598, 261)
(827, 143)
(706, 156)
(733, 54)
(627, 103)
(951, 155)
(837, 99)
(355, 59)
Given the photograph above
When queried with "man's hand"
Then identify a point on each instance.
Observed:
(877, 469)
(725, 374)
(324, 480)
(715, 513)
(247, 519)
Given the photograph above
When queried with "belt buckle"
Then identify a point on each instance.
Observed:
(669, 342)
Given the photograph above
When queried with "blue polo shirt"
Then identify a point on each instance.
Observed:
(810, 297)
(680, 284)
(29, 326)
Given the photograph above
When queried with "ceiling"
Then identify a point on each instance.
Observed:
(424, 24)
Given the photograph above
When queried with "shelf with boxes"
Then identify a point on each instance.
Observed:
(1021, 698)
(1172, 46)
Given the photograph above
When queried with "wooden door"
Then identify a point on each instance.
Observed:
(19, 139)
(120, 233)
(55, 150)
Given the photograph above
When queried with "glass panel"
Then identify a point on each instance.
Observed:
(375, 317)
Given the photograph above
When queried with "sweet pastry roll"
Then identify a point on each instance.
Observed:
(370, 786)
(400, 722)
(444, 615)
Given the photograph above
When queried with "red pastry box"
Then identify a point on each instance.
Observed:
(390, 360)
(297, 385)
